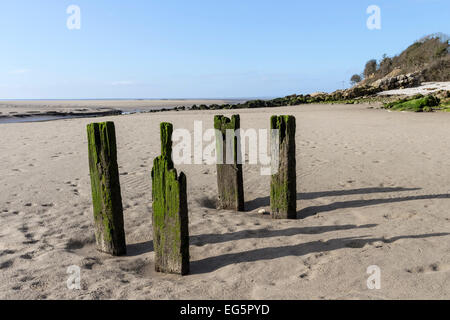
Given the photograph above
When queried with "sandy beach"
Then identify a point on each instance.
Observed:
(373, 189)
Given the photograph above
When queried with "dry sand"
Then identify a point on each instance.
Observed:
(373, 189)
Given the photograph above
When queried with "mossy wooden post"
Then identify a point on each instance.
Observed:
(283, 187)
(170, 213)
(229, 173)
(106, 197)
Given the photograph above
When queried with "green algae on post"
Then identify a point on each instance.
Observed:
(229, 169)
(105, 185)
(170, 213)
(283, 186)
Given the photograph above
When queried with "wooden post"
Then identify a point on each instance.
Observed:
(229, 173)
(105, 184)
(170, 213)
(283, 187)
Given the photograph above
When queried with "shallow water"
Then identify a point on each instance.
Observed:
(39, 118)
(46, 117)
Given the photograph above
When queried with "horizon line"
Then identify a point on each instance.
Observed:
(85, 99)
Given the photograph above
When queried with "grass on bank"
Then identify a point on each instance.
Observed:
(418, 103)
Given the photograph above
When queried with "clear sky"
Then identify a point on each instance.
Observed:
(200, 49)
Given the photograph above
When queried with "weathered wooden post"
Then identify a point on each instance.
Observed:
(283, 187)
(229, 169)
(105, 184)
(170, 213)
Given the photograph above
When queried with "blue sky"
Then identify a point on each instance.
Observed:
(200, 49)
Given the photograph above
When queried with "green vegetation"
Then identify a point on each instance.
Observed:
(430, 55)
(222, 124)
(294, 100)
(356, 78)
(170, 213)
(105, 186)
(291, 100)
(229, 175)
(444, 105)
(428, 59)
(370, 68)
(283, 192)
(417, 103)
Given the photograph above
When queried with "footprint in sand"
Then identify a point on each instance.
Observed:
(27, 256)
(90, 262)
(6, 264)
(434, 267)
(74, 186)
(31, 241)
(304, 275)
(23, 229)
(6, 252)
(79, 243)
(47, 205)
(28, 235)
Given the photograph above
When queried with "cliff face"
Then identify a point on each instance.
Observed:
(428, 56)
(388, 82)
(425, 60)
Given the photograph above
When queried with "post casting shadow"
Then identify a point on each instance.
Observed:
(213, 263)
(310, 211)
(265, 201)
(200, 240)
(137, 249)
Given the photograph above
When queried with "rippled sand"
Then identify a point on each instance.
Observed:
(372, 190)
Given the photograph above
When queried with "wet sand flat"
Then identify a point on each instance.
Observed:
(15, 108)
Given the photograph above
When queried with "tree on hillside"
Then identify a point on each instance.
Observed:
(370, 68)
(356, 78)
(385, 65)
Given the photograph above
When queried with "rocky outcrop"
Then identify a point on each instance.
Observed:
(398, 82)
(389, 82)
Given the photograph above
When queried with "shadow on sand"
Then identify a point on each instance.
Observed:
(201, 240)
(310, 211)
(265, 201)
(139, 248)
(213, 263)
